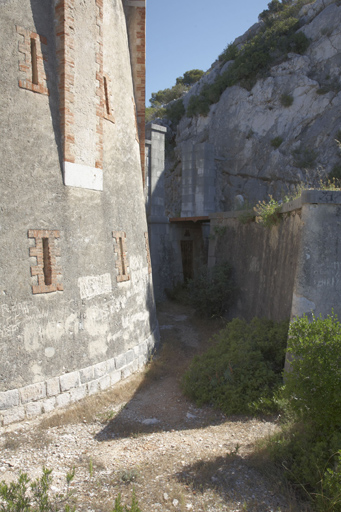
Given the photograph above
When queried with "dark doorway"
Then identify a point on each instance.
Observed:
(187, 258)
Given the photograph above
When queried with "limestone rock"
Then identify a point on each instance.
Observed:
(268, 140)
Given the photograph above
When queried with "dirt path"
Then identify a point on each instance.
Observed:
(145, 435)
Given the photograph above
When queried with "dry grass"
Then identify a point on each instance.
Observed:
(100, 407)
(208, 463)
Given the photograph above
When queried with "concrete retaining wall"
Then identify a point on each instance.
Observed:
(289, 270)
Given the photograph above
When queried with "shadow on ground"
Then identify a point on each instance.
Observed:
(158, 404)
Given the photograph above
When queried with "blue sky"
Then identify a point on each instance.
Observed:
(190, 34)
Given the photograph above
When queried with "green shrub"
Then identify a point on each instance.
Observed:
(309, 456)
(335, 173)
(230, 53)
(155, 112)
(175, 111)
(309, 447)
(119, 507)
(286, 100)
(190, 77)
(313, 385)
(27, 496)
(165, 96)
(304, 157)
(276, 142)
(242, 372)
(213, 290)
(198, 106)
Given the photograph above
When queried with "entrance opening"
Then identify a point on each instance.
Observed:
(187, 259)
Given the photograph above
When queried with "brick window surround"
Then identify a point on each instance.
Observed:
(107, 107)
(148, 252)
(32, 54)
(121, 256)
(46, 270)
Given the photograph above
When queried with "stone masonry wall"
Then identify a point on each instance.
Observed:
(69, 325)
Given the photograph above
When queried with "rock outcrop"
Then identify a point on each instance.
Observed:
(272, 138)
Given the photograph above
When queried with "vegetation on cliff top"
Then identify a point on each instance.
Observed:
(167, 102)
(276, 37)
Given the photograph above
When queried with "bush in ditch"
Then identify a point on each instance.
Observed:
(242, 372)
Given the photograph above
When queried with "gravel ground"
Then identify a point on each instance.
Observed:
(144, 435)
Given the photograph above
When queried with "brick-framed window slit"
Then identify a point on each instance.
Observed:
(121, 256)
(32, 54)
(136, 125)
(46, 272)
(149, 262)
(108, 111)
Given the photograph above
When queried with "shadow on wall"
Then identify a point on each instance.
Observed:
(44, 21)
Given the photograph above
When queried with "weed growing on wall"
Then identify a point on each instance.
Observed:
(242, 372)
(212, 292)
(268, 212)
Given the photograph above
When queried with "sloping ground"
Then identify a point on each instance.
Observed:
(145, 435)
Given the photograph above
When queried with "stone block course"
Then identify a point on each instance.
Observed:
(120, 361)
(104, 382)
(115, 377)
(53, 386)
(100, 369)
(130, 356)
(13, 415)
(48, 405)
(63, 400)
(9, 399)
(78, 393)
(57, 392)
(33, 409)
(33, 392)
(86, 374)
(69, 381)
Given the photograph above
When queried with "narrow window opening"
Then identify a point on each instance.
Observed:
(34, 61)
(47, 267)
(106, 96)
(122, 258)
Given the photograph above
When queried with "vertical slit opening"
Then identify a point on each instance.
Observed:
(122, 258)
(34, 61)
(106, 96)
(47, 268)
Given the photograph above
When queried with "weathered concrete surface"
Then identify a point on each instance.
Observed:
(93, 318)
(287, 270)
(264, 262)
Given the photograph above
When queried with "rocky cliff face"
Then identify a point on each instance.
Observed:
(267, 140)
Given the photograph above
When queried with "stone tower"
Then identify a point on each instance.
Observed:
(77, 311)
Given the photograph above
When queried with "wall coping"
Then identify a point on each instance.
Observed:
(332, 197)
